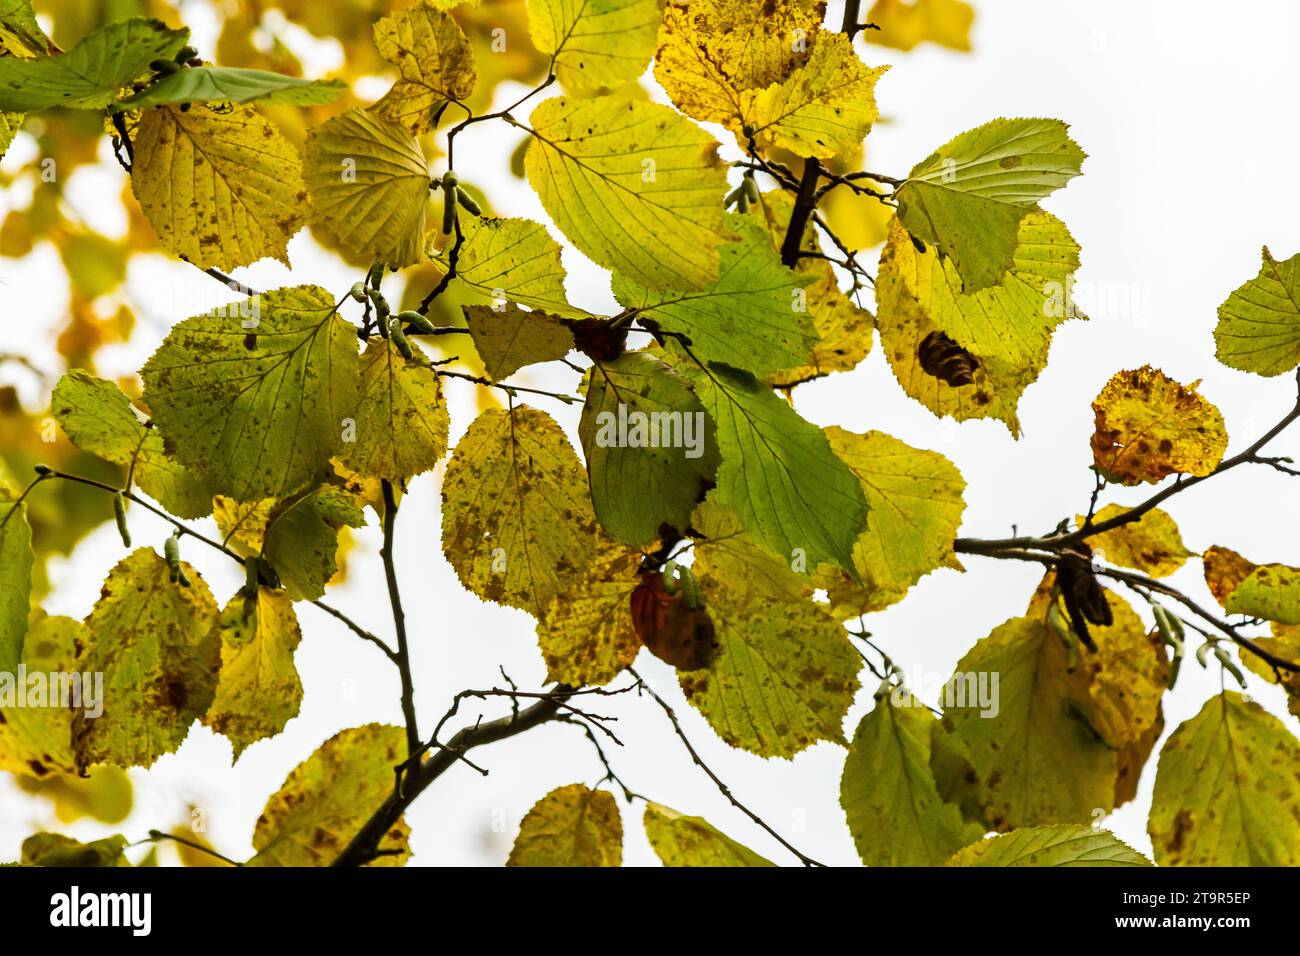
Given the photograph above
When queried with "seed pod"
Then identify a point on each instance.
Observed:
(1203, 652)
(1165, 624)
(670, 577)
(468, 201)
(164, 66)
(380, 303)
(449, 178)
(944, 359)
(399, 338)
(43, 470)
(1228, 665)
(750, 187)
(449, 207)
(731, 198)
(419, 324)
(691, 594)
(1174, 668)
(742, 203)
(119, 515)
(358, 292)
(186, 53)
(172, 554)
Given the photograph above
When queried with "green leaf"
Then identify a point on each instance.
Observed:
(99, 419)
(586, 635)
(18, 26)
(369, 186)
(969, 196)
(888, 792)
(401, 419)
(510, 260)
(596, 43)
(434, 60)
(1032, 759)
(221, 186)
(153, 641)
(54, 849)
(1259, 324)
(916, 506)
(257, 405)
(89, 75)
(778, 471)
(636, 488)
(570, 826)
(298, 535)
(753, 317)
(202, 84)
(1271, 591)
(328, 797)
(36, 741)
(258, 690)
(1227, 789)
(726, 553)
(16, 561)
(1067, 845)
(679, 840)
(516, 518)
(636, 186)
(823, 109)
(783, 677)
(507, 339)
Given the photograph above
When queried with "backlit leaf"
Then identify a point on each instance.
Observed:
(256, 405)
(369, 186)
(516, 517)
(154, 643)
(327, 798)
(1227, 790)
(596, 43)
(902, 24)
(754, 317)
(89, 75)
(509, 338)
(16, 560)
(1067, 845)
(202, 84)
(888, 792)
(434, 61)
(650, 470)
(635, 186)
(679, 840)
(511, 260)
(1150, 427)
(54, 849)
(1225, 569)
(1271, 591)
(258, 690)
(570, 826)
(969, 196)
(36, 738)
(1151, 544)
(1259, 324)
(99, 419)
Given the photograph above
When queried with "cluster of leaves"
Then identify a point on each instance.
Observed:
(285, 417)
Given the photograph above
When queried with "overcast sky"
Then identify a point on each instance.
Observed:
(1180, 108)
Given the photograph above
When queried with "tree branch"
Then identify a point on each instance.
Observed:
(403, 656)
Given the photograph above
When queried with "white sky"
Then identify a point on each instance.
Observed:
(1177, 104)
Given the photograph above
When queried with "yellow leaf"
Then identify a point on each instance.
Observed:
(679, 840)
(1151, 544)
(1227, 790)
(823, 109)
(1271, 591)
(258, 690)
(434, 62)
(401, 419)
(36, 740)
(1150, 427)
(570, 826)
(328, 797)
(915, 501)
(905, 24)
(711, 50)
(635, 186)
(512, 260)
(1225, 569)
(517, 523)
(586, 635)
(508, 339)
(595, 43)
(1067, 845)
(221, 186)
(153, 641)
(369, 185)
(725, 553)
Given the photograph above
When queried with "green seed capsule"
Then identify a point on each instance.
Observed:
(119, 515)
(172, 554)
(731, 198)
(358, 292)
(187, 53)
(1228, 665)
(750, 187)
(670, 577)
(691, 594)
(1203, 652)
(380, 303)
(471, 206)
(419, 324)
(449, 207)
(164, 66)
(449, 178)
(742, 203)
(399, 338)
(1174, 669)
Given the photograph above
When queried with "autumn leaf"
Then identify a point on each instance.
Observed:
(36, 741)
(434, 60)
(1225, 569)
(1152, 544)
(1150, 427)
(221, 187)
(510, 260)
(1271, 591)
(679, 840)
(1259, 324)
(508, 338)
(16, 561)
(904, 24)
(205, 84)
(570, 826)
(596, 43)
(1066, 845)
